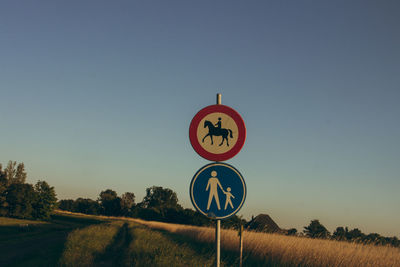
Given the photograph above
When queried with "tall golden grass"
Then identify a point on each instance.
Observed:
(274, 249)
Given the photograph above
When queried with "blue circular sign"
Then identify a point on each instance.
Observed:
(218, 190)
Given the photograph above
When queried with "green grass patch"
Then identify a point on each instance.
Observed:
(84, 245)
(80, 240)
(154, 248)
(37, 243)
(5, 221)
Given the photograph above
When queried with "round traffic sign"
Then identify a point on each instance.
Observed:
(217, 132)
(218, 190)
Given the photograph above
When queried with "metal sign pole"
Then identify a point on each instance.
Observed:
(218, 222)
(222, 174)
(219, 99)
(218, 243)
(241, 245)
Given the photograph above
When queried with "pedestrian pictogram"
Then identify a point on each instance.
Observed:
(217, 132)
(218, 190)
(213, 184)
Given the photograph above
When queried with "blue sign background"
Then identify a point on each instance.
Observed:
(228, 177)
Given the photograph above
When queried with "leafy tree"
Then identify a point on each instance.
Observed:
(15, 174)
(110, 202)
(20, 198)
(292, 231)
(158, 197)
(394, 241)
(195, 218)
(66, 204)
(340, 233)
(127, 203)
(316, 230)
(162, 201)
(20, 175)
(374, 238)
(152, 214)
(3, 189)
(45, 200)
(10, 171)
(355, 235)
(233, 222)
(86, 205)
(2, 173)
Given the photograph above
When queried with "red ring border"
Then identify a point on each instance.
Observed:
(193, 132)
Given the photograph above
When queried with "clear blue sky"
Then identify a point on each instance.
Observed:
(100, 94)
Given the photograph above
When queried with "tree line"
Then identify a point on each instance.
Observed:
(19, 199)
(159, 204)
(316, 230)
(23, 200)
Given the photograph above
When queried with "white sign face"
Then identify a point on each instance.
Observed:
(217, 133)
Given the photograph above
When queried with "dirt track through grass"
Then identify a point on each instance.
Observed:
(130, 244)
(117, 252)
(108, 241)
(155, 248)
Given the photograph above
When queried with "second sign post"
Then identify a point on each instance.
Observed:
(217, 190)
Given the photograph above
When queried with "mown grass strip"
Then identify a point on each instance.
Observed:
(84, 245)
(153, 248)
(5, 221)
(37, 243)
(116, 253)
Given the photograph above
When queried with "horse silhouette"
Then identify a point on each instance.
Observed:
(212, 130)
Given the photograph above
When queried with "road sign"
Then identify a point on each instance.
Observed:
(217, 132)
(218, 190)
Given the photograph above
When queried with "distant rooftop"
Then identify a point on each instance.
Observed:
(263, 223)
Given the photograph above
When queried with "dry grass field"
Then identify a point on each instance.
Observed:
(280, 250)
(71, 239)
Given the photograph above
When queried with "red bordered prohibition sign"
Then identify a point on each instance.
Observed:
(214, 124)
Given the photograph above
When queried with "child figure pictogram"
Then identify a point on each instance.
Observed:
(228, 197)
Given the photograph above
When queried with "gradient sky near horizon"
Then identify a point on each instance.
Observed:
(100, 94)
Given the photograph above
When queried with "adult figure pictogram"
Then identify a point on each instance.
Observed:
(213, 184)
(216, 131)
(228, 198)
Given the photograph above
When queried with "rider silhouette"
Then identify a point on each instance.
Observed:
(218, 124)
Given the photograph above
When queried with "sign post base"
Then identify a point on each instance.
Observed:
(217, 243)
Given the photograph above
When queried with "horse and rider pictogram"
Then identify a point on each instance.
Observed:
(216, 130)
